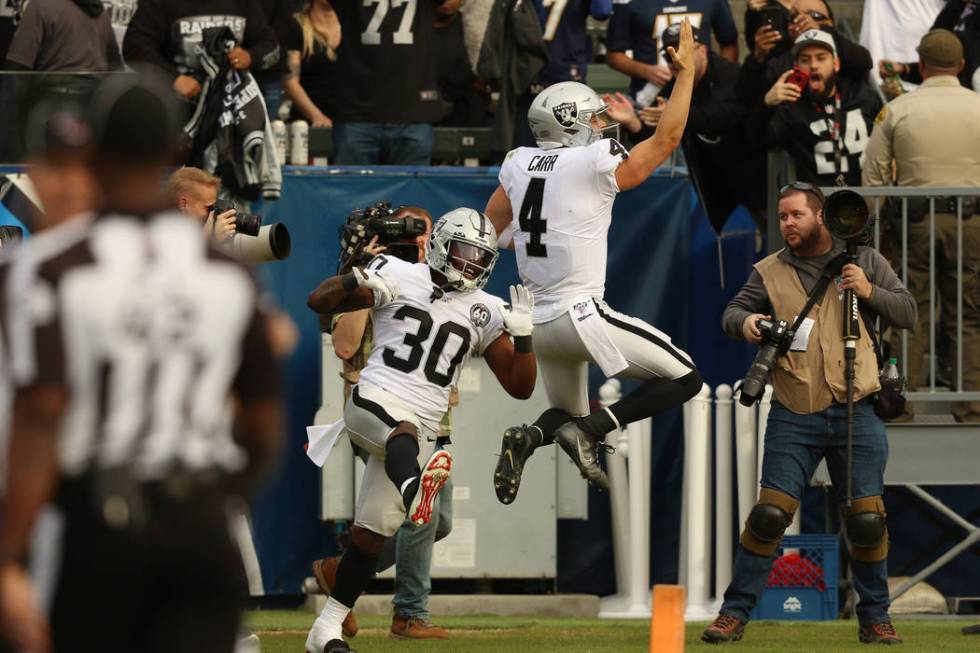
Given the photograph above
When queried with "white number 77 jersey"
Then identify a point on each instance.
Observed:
(420, 343)
(562, 202)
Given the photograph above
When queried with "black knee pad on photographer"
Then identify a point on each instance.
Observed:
(767, 522)
(866, 530)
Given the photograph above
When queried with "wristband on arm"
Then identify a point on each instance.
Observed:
(522, 344)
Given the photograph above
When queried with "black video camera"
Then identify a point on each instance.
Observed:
(776, 339)
(396, 234)
(245, 223)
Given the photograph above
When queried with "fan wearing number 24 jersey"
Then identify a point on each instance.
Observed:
(554, 207)
(428, 318)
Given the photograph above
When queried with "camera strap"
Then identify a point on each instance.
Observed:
(832, 268)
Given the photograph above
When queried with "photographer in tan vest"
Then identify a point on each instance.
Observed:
(808, 418)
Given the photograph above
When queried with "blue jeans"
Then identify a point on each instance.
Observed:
(410, 550)
(272, 94)
(794, 446)
(369, 144)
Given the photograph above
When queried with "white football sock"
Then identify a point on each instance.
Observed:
(327, 626)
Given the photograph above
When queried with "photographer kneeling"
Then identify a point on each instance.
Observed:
(808, 418)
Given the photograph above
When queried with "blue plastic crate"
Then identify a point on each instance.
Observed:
(798, 600)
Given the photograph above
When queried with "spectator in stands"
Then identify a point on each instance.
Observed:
(10, 13)
(773, 18)
(638, 24)
(769, 59)
(933, 137)
(169, 34)
(563, 29)
(279, 15)
(725, 168)
(312, 40)
(826, 127)
(387, 95)
(962, 17)
(465, 98)
(71, 36)
(892, 30)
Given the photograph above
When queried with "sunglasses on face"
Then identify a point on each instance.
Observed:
(801, 187)
(815, 15)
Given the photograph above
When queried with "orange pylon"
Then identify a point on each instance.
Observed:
(667, 619)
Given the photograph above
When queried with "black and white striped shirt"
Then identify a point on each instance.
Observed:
(149, 330)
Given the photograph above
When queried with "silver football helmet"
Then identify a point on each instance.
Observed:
(568, 114)
(463, 248)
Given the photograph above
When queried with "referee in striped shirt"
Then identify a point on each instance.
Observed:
(136, 350)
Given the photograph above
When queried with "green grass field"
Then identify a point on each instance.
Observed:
(286, 631)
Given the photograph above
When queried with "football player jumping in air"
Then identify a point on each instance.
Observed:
(428, 317)
(554, 205)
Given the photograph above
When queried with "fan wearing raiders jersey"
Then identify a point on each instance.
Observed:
(428, 318)
(555, 203)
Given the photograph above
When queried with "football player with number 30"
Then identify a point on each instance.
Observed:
(427, 319)
(554, 205)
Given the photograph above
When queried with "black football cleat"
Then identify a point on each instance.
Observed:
(583, 449)
(337, 646)
(516, 447)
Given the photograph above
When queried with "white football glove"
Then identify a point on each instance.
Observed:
(519, 316)
(385, 288)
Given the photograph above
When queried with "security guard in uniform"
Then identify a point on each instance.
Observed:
(808, 417)
(933, 136)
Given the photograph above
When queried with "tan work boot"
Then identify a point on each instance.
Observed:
(325, 572)
(725, 628)
(403, 628)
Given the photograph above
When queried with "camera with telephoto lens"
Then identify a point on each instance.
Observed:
(245, 223)
(397, 235)
(777, 337)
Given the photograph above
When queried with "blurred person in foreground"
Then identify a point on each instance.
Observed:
(933, 138)
(134, 345)
(808, 418)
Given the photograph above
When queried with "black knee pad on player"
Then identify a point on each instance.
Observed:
(866, 530)
(767, 521)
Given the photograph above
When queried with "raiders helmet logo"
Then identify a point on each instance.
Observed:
(566, 113)
(479, 315)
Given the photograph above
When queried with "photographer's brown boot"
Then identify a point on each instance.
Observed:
(325, 572)
(405, 628)
(724, 628)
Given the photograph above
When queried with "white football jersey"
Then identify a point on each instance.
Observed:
(562, 204)
(421, 343)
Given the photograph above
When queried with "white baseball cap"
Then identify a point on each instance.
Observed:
(814, 37)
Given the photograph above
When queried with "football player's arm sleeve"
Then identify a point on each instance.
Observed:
(752, 298)
(147, 37)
